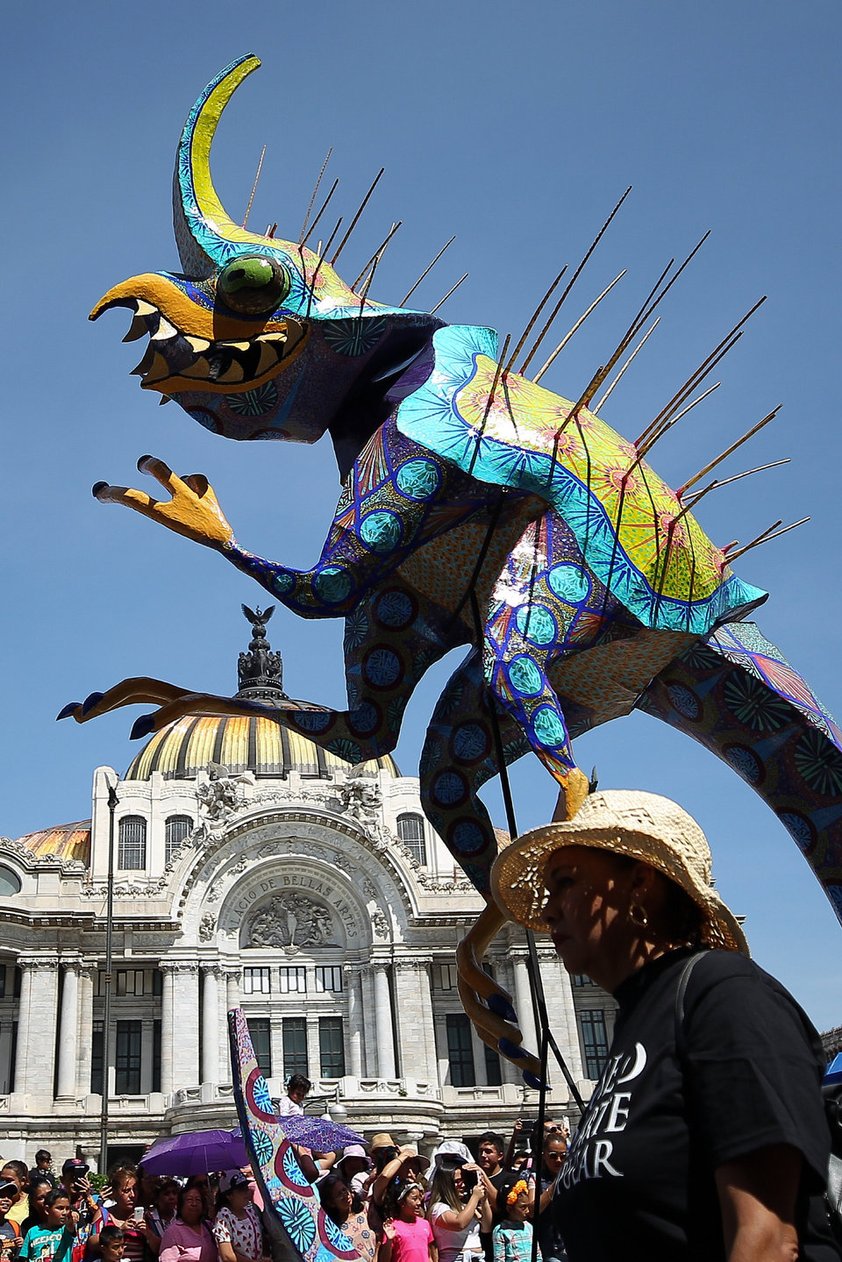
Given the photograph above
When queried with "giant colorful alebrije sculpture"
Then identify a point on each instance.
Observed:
(477, 508)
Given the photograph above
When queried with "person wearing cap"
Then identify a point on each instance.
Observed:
(353, 1166)
(705, 1137)
(237, 1229)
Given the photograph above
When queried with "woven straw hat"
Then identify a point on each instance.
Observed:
(644, 826)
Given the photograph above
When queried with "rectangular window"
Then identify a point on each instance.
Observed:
(445, 976)
(328, 978)
(257, 981)
(493, 1069)
(13, 1055)
(156, 1055)
(579, 979)
(293, 981)
(16, 983)
(97, 1059)
(261, 1039)
(157, 982)
(460, 1053)
(176, 831)
(130, 981)
(2, 981)
(411, 833)
(127, 1058)
(594, 1041)
(295, 1046)
(131, 843)
(331, 1047)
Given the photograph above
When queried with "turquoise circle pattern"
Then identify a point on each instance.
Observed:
(332, 584)
(548, 727)
(536, 623)
(525, 677)
(381, 531)
(418, 479)
(569, 583)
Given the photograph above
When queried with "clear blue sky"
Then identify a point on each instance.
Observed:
(516, 128)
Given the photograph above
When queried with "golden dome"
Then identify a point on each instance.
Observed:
(64, 841)
(184, 748)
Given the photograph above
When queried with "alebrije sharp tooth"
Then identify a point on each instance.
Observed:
(164, 331)
(137, 328)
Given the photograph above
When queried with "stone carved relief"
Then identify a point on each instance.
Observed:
(207, 927)
(290, 921)
(218, 795)
(379, 923)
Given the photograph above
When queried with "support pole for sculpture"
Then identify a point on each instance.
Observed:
(106, 1023)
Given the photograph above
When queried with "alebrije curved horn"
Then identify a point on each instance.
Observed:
(205, 234)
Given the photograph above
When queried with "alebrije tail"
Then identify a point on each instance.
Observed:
(737, 695)
(312, 1236)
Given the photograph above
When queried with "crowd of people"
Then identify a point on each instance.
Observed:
(394, 1204)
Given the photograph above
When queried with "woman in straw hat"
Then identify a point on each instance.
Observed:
(705, 1137)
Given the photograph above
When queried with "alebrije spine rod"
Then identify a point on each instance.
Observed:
(314, 195)
(770, 533)
(647, 446)
(489, 402)
(254, 186)
(578, 324)
(379, 252)
(626, 364)
(770, 416)
(334, 186)
(545, 330)
(450, 292)
(532, 321)
(426, 272)
(718, 483)
(356, 218)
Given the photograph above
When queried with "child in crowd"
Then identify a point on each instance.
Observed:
(52, 1242)
(112, 1242)
(408, 1237)
(10, 1232)
(512, 1237)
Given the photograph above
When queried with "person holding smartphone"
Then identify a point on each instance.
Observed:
(458, 1208)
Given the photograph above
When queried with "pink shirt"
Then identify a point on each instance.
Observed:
(181, 1243)
(412, 1240)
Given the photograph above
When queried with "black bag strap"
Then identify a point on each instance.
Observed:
(680, 993)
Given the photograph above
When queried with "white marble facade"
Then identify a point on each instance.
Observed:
(320, 901)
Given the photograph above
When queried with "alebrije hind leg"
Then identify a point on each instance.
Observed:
(459, 755)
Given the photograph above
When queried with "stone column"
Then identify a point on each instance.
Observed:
(415, 1019)
(86, 1030)
(35, 1061)
(232, 988)
(523, 1004)
(167, 1016)
(68, 1038)
(185, 1041)
(210, 1023)
(355, 1024)
(383, 1022)
(425, 994)
(369, 1049)
(22, 1048)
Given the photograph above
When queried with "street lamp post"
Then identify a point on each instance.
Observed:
(106, 1023)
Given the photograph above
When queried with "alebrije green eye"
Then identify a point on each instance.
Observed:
(253, 284)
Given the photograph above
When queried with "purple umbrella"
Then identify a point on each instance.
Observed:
(196, 1152)
(316, 1132)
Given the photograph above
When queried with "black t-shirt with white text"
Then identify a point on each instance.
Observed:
(638, 1182)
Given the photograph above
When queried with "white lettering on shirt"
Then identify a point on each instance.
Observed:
(589, 1156)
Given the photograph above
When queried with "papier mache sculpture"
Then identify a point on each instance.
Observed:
(477, 508)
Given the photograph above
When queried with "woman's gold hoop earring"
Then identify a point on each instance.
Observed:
(638, 916)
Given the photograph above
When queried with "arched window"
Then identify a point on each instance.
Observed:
(411, 833)
(178, 829)
(131, 847)
(9, 882)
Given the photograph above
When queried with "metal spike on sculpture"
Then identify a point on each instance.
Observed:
(478, 509)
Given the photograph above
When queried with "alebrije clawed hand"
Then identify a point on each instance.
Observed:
(193, 509)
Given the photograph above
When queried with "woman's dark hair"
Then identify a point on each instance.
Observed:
(189, 1187)
(111, 1234)
(507, 1183)
(443, 1185)
(57, 1194)
(326, 1186)
(20, 1168)
(382, 1156)
(166, 1185)
(120, 1175)
(38, 1179)
(298, 1082)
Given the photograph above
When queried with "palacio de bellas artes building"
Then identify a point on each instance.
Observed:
(254, 869)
